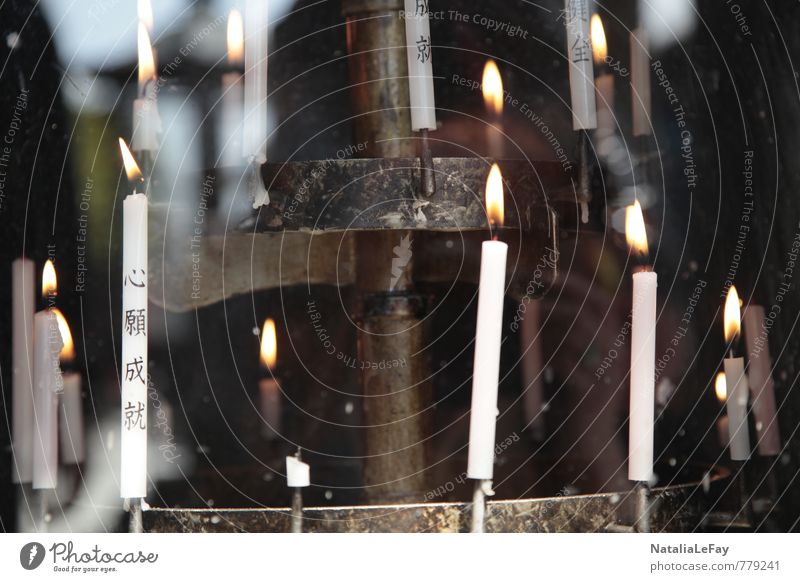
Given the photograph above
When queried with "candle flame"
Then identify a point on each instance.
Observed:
(269, 345)
(494, 196)
(732, 316)
(721, 387)
(147, 61)
(492, 84)
(598, 34)
(145, 10)
(49, 280)
(68, 349)
(635, 232)
(131, 167)
(235, 38)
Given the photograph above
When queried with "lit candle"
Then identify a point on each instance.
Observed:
(47, 384)
(133, 443)
(579, 54)
(762, 388)
(23, 299)
(420, 66)
(721, 391)
(736, 380)
(493, 97)
(269, 389)
(643, 352)
(604, 82)
(146, 121)
(233, 93)
(256, 48)
(488, 338)
(70, 424)
(640, 81)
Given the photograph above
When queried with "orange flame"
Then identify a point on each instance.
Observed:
(269, 345)
(492, 84)
(598, 34)
(732, 317)
(721, 387)
(147, 60)
(49, 280)
(635, 232)
(68, 349)
(494, 196)
(145, 11)
(131, 167)
(235, 38)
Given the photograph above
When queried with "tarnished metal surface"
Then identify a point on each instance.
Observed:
(677, 508)
(364, 194)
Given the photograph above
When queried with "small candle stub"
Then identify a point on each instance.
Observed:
(298, 473)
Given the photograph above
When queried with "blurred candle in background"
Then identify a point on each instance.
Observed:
(762, 387)
(640, 82)
(269, 389)
(604, 81)
(232, 106)
(47, 383)
(493, 98)
(70, 425)
(146, 121)
(23, 307)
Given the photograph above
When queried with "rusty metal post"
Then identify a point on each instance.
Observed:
(395, 372)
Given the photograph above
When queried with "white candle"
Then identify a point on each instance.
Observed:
(762, 386)
(47, 384)
(736, 382)
(420, 67)
(492, 84)
(488, 339)
(133, 443)
(640, 82)
(23, 299)
(146, 120)
(579, 56)
(256, 48)
(70, 421)
(269, 388)
(298, 473)
(604, 83)
(643, 354)
(721, 391)
(230, 124)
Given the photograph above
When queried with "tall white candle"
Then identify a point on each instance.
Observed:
(70, 418)
(268, 387)
(256, 47)
(23, 300)
(298, 473)
(493, 98)
(736, 381)
(133, 443)
(488, 339)
(420, 66)
(762, 386)
(146, 120)
(640, 81)
(232, 107)
(643, 354)
(579, 56)
(47, 385)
